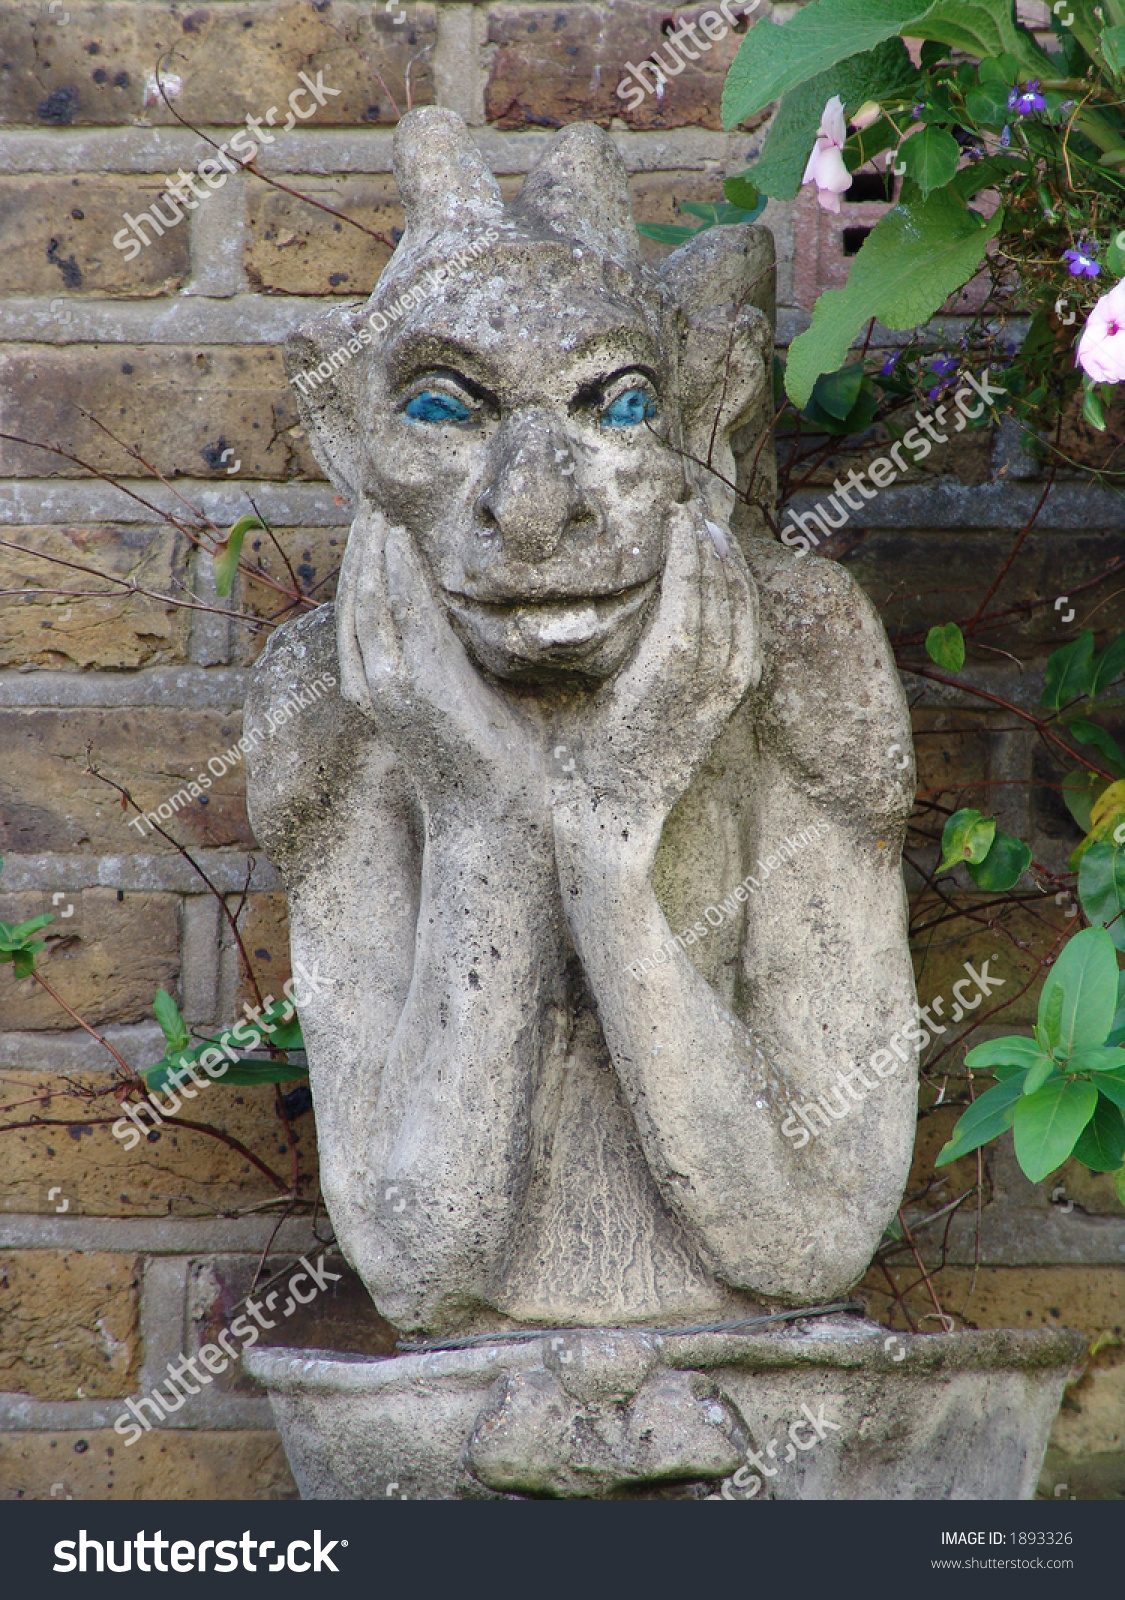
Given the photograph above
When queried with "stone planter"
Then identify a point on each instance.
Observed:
(837, 1410)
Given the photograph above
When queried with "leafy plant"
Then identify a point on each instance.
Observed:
(1011, 159)
(19, 945)
(1061, 1093)
(278, 1028)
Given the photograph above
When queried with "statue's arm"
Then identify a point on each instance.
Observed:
(826, 979)
(437, 939)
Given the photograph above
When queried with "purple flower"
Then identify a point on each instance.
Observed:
(1027, 100)
(935, 391)
(889, 364)
(943, 366)
(1005, 136)
(1081, 264)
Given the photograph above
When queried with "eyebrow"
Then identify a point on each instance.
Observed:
(423, 350)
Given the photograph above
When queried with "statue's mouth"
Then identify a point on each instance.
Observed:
(572, 625)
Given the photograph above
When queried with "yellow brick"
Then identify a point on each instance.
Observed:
(68, 1324)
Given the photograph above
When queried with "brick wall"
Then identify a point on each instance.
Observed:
(112, 1263)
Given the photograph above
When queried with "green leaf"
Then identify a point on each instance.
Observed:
(288, 1036)
(1093, 411)
(773, 60)
(885, 73)
(974, 179)
(857, 420)
(931, 157)
(1079, 791)
(1070, 672)
(907, 267)
(988, 104)
(1101, 888)
(1107, 813)
(967, 836)
(1112, 1085)
(837, 392)
(15, 937)
(1037, 1075)
(172, 1025)
(945, 645)
(1101, 1144)
(741, 192)
(227, 551)
(1090, 733)
(1109, 666)
(981, 28)
(1113, 47)
(1011, 1051)
(1097, 1058)
(1079, 997)
(987, 1118)
(239, 1074)
(1119, 1185)
(1047, 1124)
(1117, 1032)
(248, 1072)
(1004, 865)
(24, 960)
(716, 216)
(667, 232)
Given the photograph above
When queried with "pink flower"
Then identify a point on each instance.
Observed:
(1101, 349)
(826, 164)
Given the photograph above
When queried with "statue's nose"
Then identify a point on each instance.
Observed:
(535, 497)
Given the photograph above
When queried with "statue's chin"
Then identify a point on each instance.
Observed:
(590, 637)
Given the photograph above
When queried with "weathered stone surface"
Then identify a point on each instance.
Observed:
(179, 408)
(68, 1324)
(56, 238)
(164, 1465)
(73, 630)
(51, 803)
(605, 1415)
(553, 64)
(180, 1172)
(106, 959)
(234, 61)
(546, 609)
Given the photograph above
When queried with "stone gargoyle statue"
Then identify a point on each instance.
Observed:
(582, 706)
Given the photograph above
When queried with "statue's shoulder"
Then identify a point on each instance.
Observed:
(308, 751)
(830, 702)
(813, 608)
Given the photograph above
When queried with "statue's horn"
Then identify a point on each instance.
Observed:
(442, 176)
(579, 188)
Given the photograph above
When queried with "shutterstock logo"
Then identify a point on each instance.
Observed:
(96, 1555)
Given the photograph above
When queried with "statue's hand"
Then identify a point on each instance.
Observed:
(648, 731)
(402, 664)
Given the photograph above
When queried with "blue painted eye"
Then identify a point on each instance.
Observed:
(430, 406)
(629, 410)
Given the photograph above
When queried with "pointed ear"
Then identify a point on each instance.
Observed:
(328, 379)
(724, 284)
